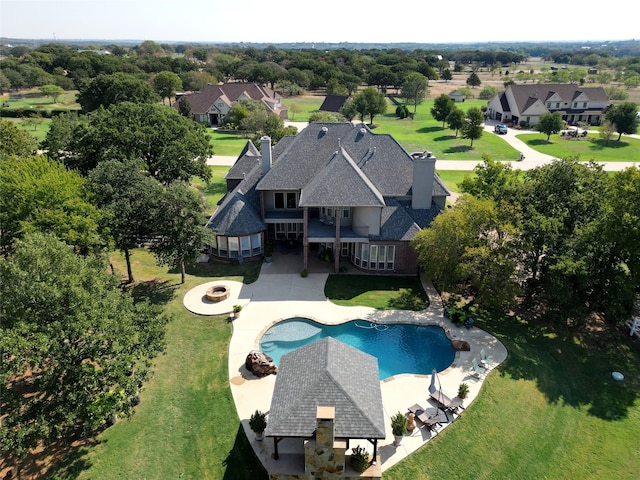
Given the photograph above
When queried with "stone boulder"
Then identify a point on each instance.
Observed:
(260, 364)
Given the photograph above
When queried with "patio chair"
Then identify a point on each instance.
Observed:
(478, 371)
(429, 418)
(446, 402)
(484, 358)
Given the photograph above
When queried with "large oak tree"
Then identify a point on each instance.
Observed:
(171, 146)
(75, 348)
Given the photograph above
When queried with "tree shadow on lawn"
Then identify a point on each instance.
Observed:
(445, 138)
(429, 129)
(156, 291)
(572, 370)
(249, 270)
(62, 460)
(241, 462)
(538, 142)
(458, 149)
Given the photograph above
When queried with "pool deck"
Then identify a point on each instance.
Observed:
(278, 296)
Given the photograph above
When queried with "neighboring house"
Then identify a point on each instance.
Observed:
(326, 395)
(457, 96)
(334, 190)
(527, 103)
(333, 103)
(214, 101)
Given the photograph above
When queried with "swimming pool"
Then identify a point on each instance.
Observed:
(399, 348)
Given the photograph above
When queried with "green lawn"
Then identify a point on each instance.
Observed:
(379, 292)
(186, 425)
(453, 178)
(626, 150)
(38, 130)
(34, 100)
(226, 143)
(306, 105)
(215, 189)
(550, 411)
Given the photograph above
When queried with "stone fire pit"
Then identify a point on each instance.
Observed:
(217, 293)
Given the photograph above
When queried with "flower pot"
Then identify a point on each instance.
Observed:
(260, 436)
(397, 440)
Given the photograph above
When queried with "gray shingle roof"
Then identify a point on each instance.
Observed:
(526, 94)
(327, 373)
(340, 183)
(401, 222)
(247, 160)
(380, 157)
(238, 212)
(333, 103)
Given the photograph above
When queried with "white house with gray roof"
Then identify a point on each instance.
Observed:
(334, 189)
(527, 103)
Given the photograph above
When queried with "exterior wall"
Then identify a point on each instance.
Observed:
(366, 220)
(406, 261)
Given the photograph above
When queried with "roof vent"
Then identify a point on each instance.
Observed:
(363, 130)
(325, 129)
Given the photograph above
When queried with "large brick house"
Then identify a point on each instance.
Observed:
(334, 189)
(527, 103)
(213, 102)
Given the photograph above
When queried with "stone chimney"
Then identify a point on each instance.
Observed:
(424, 169)
(265, 146)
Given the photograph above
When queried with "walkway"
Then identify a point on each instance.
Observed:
(532, 158)
(278, 296)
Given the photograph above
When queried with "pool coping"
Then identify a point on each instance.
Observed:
(277, 297)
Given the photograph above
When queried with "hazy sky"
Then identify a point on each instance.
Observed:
(275, 21)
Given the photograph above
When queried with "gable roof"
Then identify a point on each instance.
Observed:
(236, 214)
(340, 184)
(333, 103)
(527, 94)
(327, 373)
(380, 157)
(203, 100)
(247, 160)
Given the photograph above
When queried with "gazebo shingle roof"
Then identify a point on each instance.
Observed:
(332, 374)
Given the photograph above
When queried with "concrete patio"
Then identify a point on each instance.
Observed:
(277, 296)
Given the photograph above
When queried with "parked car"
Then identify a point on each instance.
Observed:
(500, 128)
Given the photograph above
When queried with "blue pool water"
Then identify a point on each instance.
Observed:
(399, 348)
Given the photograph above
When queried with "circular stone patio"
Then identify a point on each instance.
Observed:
(196, 300)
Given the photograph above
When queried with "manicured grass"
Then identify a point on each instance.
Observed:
(215, 189)
(226, 143)
(424, 133)
(626, 150)
(551, 410)
(379, 292)
(307, 104)
(40, 130)
(34, 100)
(186, 425)
(453, 178)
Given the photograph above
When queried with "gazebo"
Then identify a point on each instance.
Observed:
(327, 375)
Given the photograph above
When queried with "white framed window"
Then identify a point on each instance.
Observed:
(390, 260)
(245, 246)
(373, 257)
(365, 255)
(256, 244)
(234, 247)
(346, 211)
(223, 247)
